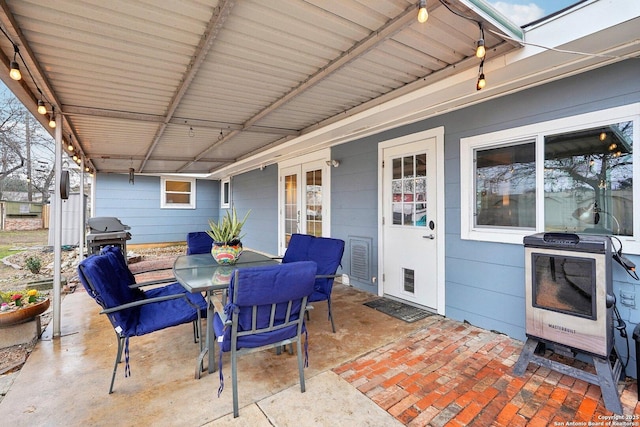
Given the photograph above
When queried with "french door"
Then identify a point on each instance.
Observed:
(303, 201)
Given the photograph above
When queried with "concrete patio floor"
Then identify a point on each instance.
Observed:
(375, 371)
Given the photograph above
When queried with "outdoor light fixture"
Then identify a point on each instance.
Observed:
(481, 80)
(333, 162)
(423, 15)
(480, 50)
(42, 109)
(52, 119)
(15, 73)
(131, 175)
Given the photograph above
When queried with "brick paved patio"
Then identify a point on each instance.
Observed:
(455, 374)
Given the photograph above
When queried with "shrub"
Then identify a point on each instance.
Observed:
(33, 264)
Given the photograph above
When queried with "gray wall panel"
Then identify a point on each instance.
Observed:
(258, 190)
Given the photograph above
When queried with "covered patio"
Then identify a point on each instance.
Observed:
(374, 371)
(226, 89)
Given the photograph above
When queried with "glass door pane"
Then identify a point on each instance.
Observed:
(313, 193)
(409, 190)
(291, 208)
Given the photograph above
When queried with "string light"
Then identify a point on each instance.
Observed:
(481, 80)
(15, 73)
(42, 109)
(480, 50)
(52, 118)
(423, 14)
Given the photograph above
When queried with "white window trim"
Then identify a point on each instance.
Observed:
(224, 205)
(163, 186)
(537, 131)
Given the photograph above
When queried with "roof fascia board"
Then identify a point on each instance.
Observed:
(488, 13)
(585, 20)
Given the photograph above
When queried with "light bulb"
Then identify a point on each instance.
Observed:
(481, 82)
(70, 147)
(15, 73)
(480, 50)
(423, 15)
(52, 122)
(42, 109)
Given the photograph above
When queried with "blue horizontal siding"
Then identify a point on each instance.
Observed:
(138, 206)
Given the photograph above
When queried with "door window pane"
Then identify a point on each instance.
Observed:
(588, 180)
(505, 186)
(313, 193)
(290, 207)
(409, 191)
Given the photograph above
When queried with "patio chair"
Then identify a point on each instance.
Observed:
(130, 276)
(198, 242)
(265, 310)
(327, 253)
(132, 311)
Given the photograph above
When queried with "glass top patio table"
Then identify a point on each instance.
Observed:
(201, 273)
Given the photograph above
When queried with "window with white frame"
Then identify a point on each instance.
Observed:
(567, 175)
(178, 193)
(225, 193)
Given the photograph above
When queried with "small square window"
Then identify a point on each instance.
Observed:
(178, 193)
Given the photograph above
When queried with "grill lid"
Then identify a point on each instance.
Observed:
(106, 224)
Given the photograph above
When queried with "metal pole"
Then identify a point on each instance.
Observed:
(81, 214)
(57, 231)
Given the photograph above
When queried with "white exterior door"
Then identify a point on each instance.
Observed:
(304, 200)
(412, 227)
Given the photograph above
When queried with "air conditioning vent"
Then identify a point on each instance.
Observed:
(360, 258)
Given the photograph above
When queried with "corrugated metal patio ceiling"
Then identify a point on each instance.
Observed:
(132, 78)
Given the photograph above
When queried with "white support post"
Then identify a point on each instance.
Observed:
(81, 214)
(57, 231)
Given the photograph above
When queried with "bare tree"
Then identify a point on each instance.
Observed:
(24, 144)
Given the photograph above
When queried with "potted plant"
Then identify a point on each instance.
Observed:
(21, 306)
(226, 235)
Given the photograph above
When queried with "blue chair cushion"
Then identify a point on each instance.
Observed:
(109, 285)
(198, 242)
(326, 252)
(263, 286)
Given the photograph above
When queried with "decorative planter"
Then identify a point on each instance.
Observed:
(226, 254)
(24, 314)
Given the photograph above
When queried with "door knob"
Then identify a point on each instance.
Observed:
(430, 236)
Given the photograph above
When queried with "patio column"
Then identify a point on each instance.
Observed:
(82, 212)
(57, 229)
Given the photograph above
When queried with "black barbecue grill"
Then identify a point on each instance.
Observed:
(105, 231)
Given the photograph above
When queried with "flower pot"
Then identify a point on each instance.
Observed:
(23, 314)
(226, 254)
